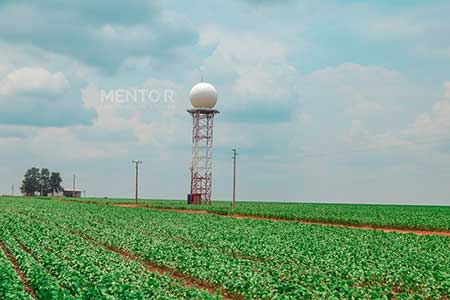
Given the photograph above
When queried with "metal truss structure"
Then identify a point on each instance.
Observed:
(201, 169)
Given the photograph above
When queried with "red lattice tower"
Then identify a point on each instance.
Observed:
(203, 98)
(201, 169)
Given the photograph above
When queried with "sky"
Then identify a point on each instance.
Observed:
(326, 101)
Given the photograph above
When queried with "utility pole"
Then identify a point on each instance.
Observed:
(233, 204)
(137, 163)
(12, 190)
(73, 186)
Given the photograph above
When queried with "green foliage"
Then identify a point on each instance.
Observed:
(60, 265)
(45, 182)
(10, 285)
(257, 259)
(55, 183)
(41, 181)
(398, 216)
(31, 182)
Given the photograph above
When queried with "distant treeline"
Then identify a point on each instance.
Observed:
(42, 182)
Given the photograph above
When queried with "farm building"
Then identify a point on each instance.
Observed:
(72, 193)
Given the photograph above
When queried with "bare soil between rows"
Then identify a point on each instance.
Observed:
(248, 217)
(184, 279)
(28, 289)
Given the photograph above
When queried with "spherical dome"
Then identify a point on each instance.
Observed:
(203, 95)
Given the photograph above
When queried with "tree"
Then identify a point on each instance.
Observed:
(55, 183)
(45, 182)
(31, 182)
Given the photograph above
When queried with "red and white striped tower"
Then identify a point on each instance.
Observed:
(203, 98)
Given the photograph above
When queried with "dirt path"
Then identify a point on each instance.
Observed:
(186, 211)
(240, 216)
(184, 279)
(19, 272)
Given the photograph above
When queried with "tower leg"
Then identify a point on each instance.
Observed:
(201, 169)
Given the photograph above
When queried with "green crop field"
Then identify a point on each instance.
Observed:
(69, 250)
(396, 216)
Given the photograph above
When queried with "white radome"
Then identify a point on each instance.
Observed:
(203, 95)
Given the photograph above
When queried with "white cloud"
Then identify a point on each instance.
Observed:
(252, 71)
(447, 89)
(360, 139)
(426, 129)
(37, 96)
(94, 34)
(16, 132)
(394, 28)
(155, 123)
(358, 90)
(356, 130)
(33, 80)
(365, 108)
(349, 73)
(435, 123)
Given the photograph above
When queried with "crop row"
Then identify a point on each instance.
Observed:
(267, 260)
(397, 216)
(11, 287)
(42, 283)
(64, 266)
